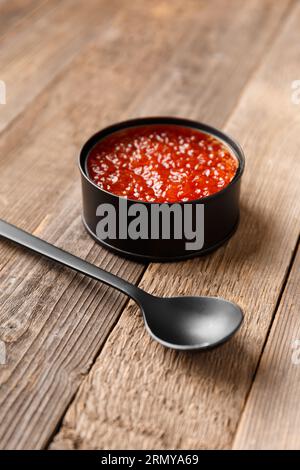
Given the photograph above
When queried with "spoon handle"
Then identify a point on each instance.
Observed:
(23, 238)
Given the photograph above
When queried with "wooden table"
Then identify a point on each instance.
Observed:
(80, 370)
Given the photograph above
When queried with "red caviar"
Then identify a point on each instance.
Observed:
(161, 163)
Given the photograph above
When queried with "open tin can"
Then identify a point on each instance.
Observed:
(214, 218)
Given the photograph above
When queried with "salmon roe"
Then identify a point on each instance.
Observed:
(161, 163)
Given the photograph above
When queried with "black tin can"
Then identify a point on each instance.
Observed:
(220, 211)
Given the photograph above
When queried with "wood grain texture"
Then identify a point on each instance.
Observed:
(271, 419)
(37, 49)
(14, 13)
(141, 395)
(53, 322)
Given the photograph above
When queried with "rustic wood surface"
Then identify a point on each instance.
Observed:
(69, 71)
(271, 417)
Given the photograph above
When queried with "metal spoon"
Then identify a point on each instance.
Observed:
(177, 322)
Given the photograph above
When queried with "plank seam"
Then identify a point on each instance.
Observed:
(276, 308)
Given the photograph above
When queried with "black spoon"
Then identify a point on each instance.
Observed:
(176, 322)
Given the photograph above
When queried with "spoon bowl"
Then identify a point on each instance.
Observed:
(188, 323)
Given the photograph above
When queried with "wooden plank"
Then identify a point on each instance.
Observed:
(141, 395)
(14, 12)
(271, 418)
(53, 322)
(38, 48)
